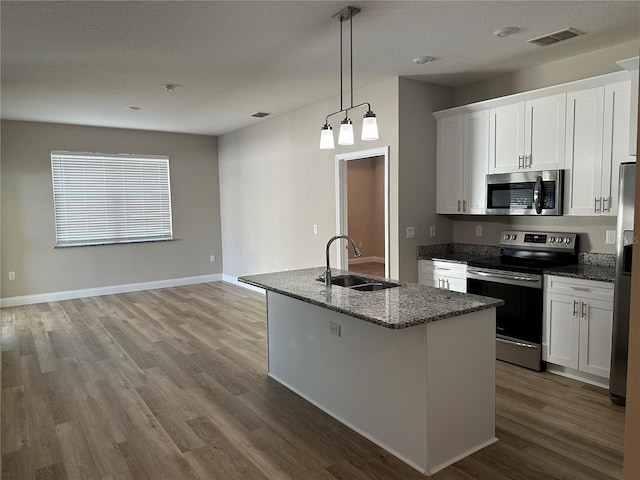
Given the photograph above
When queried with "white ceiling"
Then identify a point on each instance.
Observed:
(85, 62)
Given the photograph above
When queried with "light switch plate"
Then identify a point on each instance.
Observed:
(432, 231)
(478, 230)
(411, 232)
(610, 239)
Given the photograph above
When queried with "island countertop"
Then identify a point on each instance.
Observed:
(398, 307)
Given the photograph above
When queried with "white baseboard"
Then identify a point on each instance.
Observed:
(358, 260)
(109, 290)
(234, 280)
(578, 375)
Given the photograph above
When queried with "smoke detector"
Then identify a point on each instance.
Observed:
(170, 87)
(260, 114)
(423, 59)
(506, 31)
(555, 37)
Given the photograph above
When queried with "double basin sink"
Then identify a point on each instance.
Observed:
(362, 284)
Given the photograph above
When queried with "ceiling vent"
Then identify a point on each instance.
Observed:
(260, 114)
(555, 37)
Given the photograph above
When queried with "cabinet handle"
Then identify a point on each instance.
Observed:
(605, 207)
(581, 289)
(527, 157)
(448, 286)
(458, 205)
(596, 206)
(439, 283)
(442, 268)
(582, 312)
(520, 161)
(575, 308)
(464, 205)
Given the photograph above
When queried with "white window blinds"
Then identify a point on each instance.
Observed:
(102, 198)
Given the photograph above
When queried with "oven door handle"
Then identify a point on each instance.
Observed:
(502, 276)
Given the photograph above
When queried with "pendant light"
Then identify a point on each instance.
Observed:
(369, 122)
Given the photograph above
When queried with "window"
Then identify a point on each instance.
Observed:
(102, 198)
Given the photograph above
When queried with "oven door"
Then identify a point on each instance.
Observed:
(519, 320)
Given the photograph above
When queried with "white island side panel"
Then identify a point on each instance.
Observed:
(424, 393)
(370, 378)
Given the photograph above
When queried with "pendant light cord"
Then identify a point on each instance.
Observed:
(351, 55)
(341, 87)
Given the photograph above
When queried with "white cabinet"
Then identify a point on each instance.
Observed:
(597, 134)
(632, 65)
(443, 274)
(578, 317)
(528, 135)
(449, 167)
(462, 163)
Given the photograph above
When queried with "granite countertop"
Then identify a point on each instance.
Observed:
(587, 272)
(399, 307)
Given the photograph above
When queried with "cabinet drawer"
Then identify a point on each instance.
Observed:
(576, 286)
(443, 269)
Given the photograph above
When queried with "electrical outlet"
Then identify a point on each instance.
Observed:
(212, 258)
(478, 230)
(411, 232)
(611, 237)
(315, 229)
(12, 275)
(432, 231)
(334, 329)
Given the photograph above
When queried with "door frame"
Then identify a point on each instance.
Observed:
(342, 203)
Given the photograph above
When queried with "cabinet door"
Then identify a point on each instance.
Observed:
(545, 121)
(476, 160)
(585, 120)
(506, 141)
(562, 329)
(617, 105)
(449, 168)
(596, 320)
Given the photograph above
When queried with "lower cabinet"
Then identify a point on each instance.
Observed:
(443, 274)
(577, 328)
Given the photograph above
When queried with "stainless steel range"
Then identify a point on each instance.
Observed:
(516, 277)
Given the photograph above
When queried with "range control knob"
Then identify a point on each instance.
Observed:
(507, 236)
(552, 239)
(567, 240)
(513, 237)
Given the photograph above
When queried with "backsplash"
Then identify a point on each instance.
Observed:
(587, 258)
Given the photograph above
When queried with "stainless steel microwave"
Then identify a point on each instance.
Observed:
(525, 193)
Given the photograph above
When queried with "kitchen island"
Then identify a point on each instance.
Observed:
(412, 368)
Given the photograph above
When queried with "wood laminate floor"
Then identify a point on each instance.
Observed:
(172, 384)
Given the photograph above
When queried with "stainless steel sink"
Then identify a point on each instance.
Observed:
(362, 284)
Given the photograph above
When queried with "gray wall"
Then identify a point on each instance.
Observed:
(275, 184)
(597, 62)
(593, 229)
(417, 170)
(28, 234)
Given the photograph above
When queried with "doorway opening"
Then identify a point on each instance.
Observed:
(362, 191)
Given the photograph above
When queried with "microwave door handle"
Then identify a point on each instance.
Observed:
(538, 195)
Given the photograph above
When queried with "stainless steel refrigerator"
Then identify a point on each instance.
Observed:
(621, 300)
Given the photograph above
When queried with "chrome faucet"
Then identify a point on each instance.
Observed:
(356, 252)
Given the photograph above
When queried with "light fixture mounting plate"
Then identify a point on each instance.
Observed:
(346, 13)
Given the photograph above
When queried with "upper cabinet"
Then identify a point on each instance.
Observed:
(585, 128)
(462, 163)
(597, 142)
(528, 135)
(633, 66)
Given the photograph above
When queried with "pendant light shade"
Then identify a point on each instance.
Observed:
(346, 132)
(326, 138)
(369, 126)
